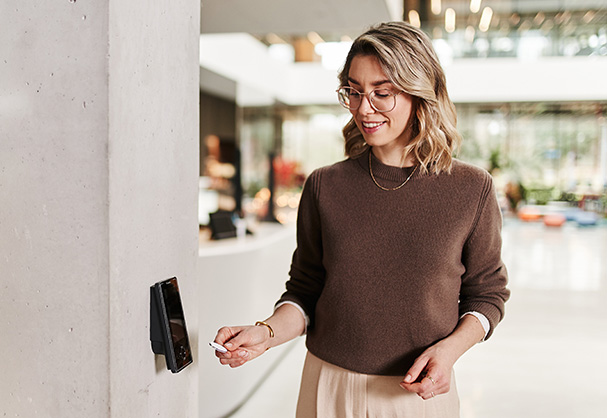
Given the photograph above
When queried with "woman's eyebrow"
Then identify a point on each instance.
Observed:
(375, 83)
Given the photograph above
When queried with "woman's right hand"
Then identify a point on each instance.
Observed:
(244, 343)
(248, 342)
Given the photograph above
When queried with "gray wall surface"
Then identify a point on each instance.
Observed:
(98, 201)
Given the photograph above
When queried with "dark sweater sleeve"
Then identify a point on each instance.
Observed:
(307, 274)
(483, 287)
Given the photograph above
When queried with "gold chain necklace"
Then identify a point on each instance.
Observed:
(386, 188)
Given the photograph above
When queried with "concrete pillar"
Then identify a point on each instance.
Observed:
(98, 200)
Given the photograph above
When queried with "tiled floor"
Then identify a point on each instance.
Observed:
(548, 359)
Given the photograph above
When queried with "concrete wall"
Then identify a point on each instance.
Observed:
(98, 195)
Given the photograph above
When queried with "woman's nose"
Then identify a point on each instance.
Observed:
(365, 105)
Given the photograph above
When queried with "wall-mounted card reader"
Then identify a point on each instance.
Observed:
(168, 331)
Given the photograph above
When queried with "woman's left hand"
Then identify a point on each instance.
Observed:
(430, 374)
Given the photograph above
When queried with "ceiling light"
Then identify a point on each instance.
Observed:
(475, 5)
(547, 26)
(515, 19)
(539, 18)
(485, 19)
(435, 6)
(450, 20)
(414, 18)
(589, 16)
(272, 38)
(315, 38)
(469, 34)
(525, 26)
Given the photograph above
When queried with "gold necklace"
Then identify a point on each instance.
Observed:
(386, 188)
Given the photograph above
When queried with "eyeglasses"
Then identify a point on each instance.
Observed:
(382, 100)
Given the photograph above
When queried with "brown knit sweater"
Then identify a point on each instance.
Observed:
(385, 274)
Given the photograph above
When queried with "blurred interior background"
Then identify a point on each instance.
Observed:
(527, 78)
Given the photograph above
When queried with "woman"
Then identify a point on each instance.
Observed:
(397, 270)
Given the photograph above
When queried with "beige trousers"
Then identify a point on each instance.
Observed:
(328, 391)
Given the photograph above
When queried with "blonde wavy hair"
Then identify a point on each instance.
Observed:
(407, 58)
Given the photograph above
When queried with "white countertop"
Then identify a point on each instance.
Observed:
(264, 235)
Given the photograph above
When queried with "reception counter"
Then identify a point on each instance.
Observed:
(240, 279)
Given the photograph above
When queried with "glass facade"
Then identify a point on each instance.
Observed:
(555, 151)
(525, 35)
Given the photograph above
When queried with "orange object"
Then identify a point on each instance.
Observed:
(529, 214)
(554, 219)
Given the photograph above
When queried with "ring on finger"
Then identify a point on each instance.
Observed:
(432, 380)
(432, 393)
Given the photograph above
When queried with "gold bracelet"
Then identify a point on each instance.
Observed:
(266, 325)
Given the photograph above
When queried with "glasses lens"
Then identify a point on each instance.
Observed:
(344, 97)
(349, 98)
(383, 100)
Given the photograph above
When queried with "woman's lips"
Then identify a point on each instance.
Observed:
(370, 127)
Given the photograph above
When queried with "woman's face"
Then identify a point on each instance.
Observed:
(387, 131)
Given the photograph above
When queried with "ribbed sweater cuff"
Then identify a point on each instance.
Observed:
(490, 311)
